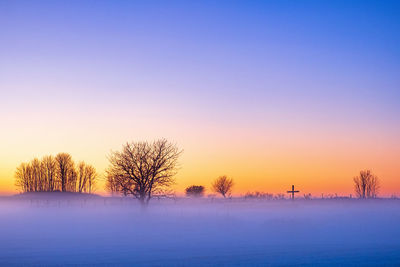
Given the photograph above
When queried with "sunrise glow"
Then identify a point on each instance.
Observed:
(270, 94)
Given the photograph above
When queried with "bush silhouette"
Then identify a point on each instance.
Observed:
(195, 191)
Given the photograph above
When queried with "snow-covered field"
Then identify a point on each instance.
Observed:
(98, 231)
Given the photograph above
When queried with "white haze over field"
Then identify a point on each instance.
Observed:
(184, 232)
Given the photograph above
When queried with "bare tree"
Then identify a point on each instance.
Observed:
(92, 178)
(143, 169)
(81, 176)
(366, 185)
(23, 177)
(65, 175)
(49, 166)
(223, 185)
(86, 177)
(36, 175)
(195, 191)
(72, 177)
(111, 185)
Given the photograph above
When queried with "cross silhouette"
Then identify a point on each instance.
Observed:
(293, 191)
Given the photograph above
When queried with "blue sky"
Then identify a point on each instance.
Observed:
(274, 49)
(307, 67)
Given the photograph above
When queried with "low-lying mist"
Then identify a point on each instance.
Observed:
(92, 230)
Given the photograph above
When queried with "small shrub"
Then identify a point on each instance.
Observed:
(195, 191)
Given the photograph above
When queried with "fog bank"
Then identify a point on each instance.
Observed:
(118, 231)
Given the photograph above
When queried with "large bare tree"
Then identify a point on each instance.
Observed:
(366, 185)
(142, 169)
(223, 185)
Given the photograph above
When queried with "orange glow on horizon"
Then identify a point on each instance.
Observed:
(313, 167)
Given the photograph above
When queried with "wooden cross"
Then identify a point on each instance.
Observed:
(292, 192)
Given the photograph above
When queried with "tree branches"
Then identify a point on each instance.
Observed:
(366, 185)
(55, 174)
(142, 168)
(223, 185)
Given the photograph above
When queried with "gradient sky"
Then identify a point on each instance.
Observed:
(271, 93)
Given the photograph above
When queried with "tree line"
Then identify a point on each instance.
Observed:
(140, 169)
(57, 173)
(366, 185)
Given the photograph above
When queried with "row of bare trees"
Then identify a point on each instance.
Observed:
(57, 173)
(140, 169)
(366, 185)
(143, 169)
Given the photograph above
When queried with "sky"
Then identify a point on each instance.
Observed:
(270, 93)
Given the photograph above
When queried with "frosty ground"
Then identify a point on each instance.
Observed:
(182, 232)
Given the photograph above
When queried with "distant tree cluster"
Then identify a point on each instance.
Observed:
(57, 173)
(195, 191)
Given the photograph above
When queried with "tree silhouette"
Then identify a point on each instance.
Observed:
(86, 177)
(366, 185)
(55, 174)
(65, 167)
(223, 185)
(49, 166)
(142, 169)
(112, 187)
(23, 177)
(195, 191)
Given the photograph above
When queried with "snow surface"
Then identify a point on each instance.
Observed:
(182, 232)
